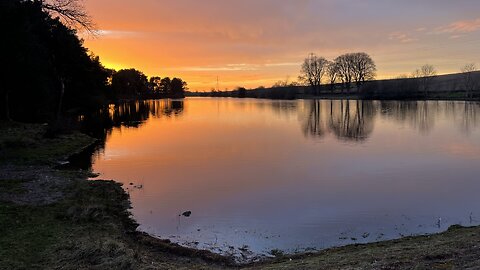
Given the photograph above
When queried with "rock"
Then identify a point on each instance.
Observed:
(186, 213)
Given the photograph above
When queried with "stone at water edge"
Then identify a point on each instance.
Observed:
(186, 214)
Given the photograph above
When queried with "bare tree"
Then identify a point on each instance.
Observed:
(333, 74)
(469, 81)
(71, 12)
(285, 83)
(363, 68)
(426, 74)
(345, 69)
(313, 69)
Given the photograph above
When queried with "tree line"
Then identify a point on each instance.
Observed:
(49, 73)
(347, 68)
(353, 75)
(128, 83)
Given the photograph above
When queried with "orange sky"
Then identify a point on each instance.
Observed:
(257, 42)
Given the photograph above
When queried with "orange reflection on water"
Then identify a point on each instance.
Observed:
(279, 174)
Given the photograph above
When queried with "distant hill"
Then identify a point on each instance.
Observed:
(449, 86)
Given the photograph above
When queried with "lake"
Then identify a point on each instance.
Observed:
(263, 175)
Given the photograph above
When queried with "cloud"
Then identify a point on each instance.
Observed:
(267, 39)
(115, 34)
(460, 27)
(402, 37)
(228, 67)
(455, 36)
(239, 67)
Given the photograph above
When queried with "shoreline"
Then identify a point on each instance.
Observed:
(36, 193)
(349, 97)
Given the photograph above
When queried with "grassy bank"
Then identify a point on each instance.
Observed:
(26, 144)
(55, 219)
(457, 248)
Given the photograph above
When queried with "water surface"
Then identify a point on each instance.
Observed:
(260, 175)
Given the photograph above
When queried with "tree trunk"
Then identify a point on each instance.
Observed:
(7, 107)
(60, 100)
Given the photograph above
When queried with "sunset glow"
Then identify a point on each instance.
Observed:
(251, 43)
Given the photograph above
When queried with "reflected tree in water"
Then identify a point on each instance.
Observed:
(101, 123)
(313, 124)
(469, 120)
(347, 120)
(417, 114)
(284, 108)
(352, 120)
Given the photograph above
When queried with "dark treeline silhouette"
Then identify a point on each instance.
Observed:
(131, 83)
(461, 86)
(352, 75)
(47, 69)
(346, 69)
(49, 74)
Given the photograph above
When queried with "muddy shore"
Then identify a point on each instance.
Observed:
(53, 218)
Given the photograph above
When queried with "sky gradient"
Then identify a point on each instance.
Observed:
(257, 42)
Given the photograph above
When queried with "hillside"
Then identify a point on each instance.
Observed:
(449, 86)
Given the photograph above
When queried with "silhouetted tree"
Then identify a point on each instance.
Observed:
(61, 75)
(313, 69)
(242, 92)
(178, 87)
(129, 83)
(285, 83)
(469, 80)
(72, 13)
(165, 85)
(426, 74)
(333, 73)
(155, 84)
(345, 68)
(363, 68)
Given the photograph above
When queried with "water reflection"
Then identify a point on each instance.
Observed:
(347, 120)
(100, 124)
(418, 114)
(353, 120)
(292, 174)
(469, 119)
(129, 114)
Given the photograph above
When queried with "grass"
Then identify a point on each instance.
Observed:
(456, 248)
(78, 231)
(26, 144)
(27, 235)
(13, 185)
